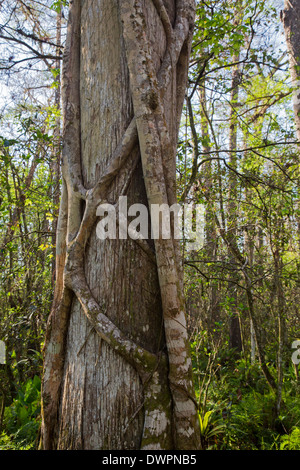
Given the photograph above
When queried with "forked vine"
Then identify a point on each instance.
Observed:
(149, 130)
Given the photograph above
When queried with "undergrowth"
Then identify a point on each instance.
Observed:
(237, 405)
(21, 421)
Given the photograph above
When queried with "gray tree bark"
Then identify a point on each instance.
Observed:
(290, 16)
(117, 370)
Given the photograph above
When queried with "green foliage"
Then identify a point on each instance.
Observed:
(291, 441)
(58, 4)
(8, 443)
(26, 207)
(250, 421)
(22, 417)
(241, 407)
(211, 428)
(27, 215)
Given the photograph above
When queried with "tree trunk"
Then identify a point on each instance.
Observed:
(210, 224)
(235, 341)
(117, 370)
(56, 162)
(291, 22)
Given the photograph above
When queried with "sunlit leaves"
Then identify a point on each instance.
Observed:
(58, 4)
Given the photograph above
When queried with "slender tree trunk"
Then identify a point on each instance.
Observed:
(235, 340)
(291, 22)
(249, 249)
(56, 163)
(235, 251)
(281, 328)
(117, 371)
(15, 215)
(2, 409)
(210, 225)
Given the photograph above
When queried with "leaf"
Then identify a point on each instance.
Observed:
(9, 142)
(37, 382)
(56, 6)
(23, 414)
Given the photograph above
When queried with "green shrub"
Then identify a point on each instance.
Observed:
(22, 417)
(291, 441)
(211, 428)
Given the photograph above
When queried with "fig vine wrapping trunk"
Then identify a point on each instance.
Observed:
(117, 369)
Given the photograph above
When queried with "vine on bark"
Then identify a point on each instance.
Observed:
(166, 424)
